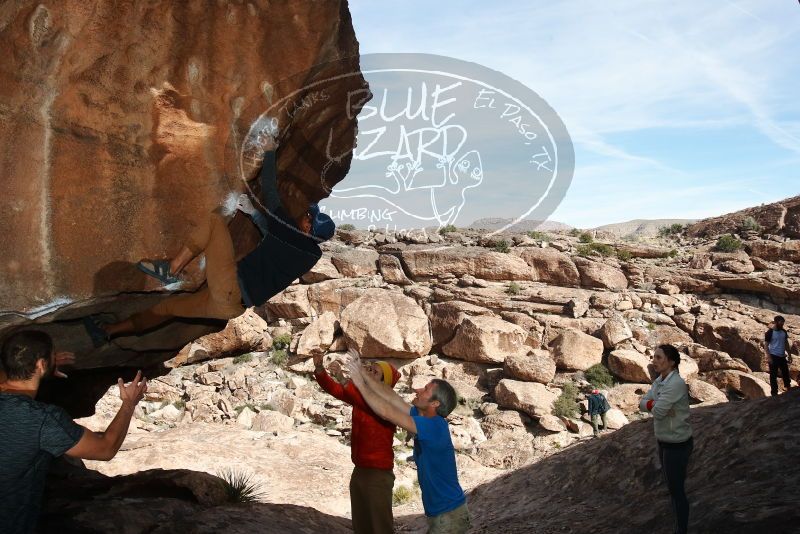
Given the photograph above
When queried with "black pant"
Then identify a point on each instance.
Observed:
(775, 363)
(674, 460)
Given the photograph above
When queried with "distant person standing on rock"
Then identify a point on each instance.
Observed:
(776, 343)
(443, 499)
(598, 407)
(371, 440)
(668, 402)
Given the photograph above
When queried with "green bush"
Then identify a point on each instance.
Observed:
(279, 357)
(239, 486)
(591, 249)
(402, 495)
(624, 255)
(346, 227)
(541, 236)
(282, 341)
(728, 243)
(574, 232)
(750, 224)
(599, 376)
(447, 229)
(513, 288)
(565, 405)
(501, 246)
(671, 230)
(243, 358)
(179, 404)
(585, 237)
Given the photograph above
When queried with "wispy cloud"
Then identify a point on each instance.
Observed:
(634, 68)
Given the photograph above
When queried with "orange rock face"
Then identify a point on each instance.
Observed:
(121, 121)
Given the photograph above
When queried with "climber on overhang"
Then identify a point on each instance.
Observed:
(288, 249)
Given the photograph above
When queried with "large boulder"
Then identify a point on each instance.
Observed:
(386, 324)
(629, 365)
(487, 339)
(704, 392)
(714, 360)
(446, 316)
(626, 397)
(537, 366)
(429, 262)
(550, 266)
(743, 383)
(125, 123)
(392, 270)
(615, 331)
(321, 271)
(575, 351)
(318, 336)
(600, 275)
(355, 262)
(736, 334)
(291, 303)
(531, 398)
(772, 251)
(616, 419)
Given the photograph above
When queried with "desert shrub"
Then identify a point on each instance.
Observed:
(624, 255)
(574, 232)
(279, 357)
(750, 224)
(282, 341)
(243, 358)
(501, 246)
(541, 236)
(179, 404)
(591, 249)
(671, 230)
(565, 405)
(447, 229)
(402, 495)
(728, 243)
(599, 376)
(585, 237)
(240, 487)
(513, 288)
(346, 227)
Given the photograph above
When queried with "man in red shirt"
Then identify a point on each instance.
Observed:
(371, 450)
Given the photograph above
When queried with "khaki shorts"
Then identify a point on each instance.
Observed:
(452, 522)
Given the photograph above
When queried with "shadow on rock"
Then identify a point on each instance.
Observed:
(78, 500)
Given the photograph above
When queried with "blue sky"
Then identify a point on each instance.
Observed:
(676, 109)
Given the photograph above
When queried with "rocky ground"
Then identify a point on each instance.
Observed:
(522, 325)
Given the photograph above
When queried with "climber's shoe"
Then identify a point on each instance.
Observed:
(94, 327)
(158, 269)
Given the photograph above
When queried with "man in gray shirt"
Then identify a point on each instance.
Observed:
(33, 433)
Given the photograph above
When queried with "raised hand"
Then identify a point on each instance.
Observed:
(354, 367)
(62, 358)
(133, 392)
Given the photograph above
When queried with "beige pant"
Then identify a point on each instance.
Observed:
(371, 500)
(452, 522)
(220, 298)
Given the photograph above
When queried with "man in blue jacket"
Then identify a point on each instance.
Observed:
(598, 407)
(443, 500)
(288, 249)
